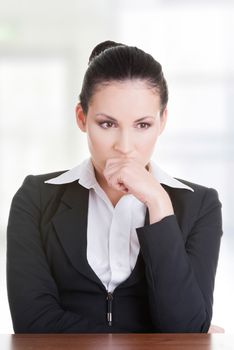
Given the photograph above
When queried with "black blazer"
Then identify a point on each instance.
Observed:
(52, 288)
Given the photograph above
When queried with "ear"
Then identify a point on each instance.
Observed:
(80, 118)
(163, 120)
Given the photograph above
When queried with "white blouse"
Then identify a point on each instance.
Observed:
(112, 243)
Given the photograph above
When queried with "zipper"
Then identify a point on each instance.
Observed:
(109, 299)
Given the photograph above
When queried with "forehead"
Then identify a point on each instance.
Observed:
(128, 94)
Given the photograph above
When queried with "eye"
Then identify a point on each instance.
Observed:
(143, 125)
(106, 124)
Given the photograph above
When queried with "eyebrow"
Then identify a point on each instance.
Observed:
(115, 120)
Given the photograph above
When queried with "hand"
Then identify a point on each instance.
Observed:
(130, 176)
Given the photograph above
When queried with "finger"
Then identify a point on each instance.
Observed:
(120, 160)
(115, 167)
(116, 180)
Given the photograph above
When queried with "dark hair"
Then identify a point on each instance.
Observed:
(111, 61)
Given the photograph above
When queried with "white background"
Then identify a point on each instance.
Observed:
(44, 50)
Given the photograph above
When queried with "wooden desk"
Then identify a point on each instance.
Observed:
(117, 342)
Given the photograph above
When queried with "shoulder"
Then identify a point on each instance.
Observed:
(36, 192)
(194, 204)
(198, 193)
(41, 178)
(37, 182)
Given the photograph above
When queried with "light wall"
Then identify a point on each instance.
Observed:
(44, 49)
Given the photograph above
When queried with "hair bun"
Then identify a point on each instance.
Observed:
(102, 47)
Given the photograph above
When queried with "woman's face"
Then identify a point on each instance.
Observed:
(123, 120)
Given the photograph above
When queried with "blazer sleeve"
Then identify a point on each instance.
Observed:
(180, 274)
(32, 292)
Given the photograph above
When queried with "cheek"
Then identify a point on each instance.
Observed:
(147, 141)
(96, 139)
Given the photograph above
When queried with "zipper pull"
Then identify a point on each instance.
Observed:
(109, 299)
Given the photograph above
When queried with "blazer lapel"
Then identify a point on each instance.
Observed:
(70, 223)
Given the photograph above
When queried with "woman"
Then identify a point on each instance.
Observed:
(114, 244)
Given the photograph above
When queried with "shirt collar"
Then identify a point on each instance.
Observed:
(84, 174)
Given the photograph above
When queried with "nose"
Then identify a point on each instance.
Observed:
(123, 144)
